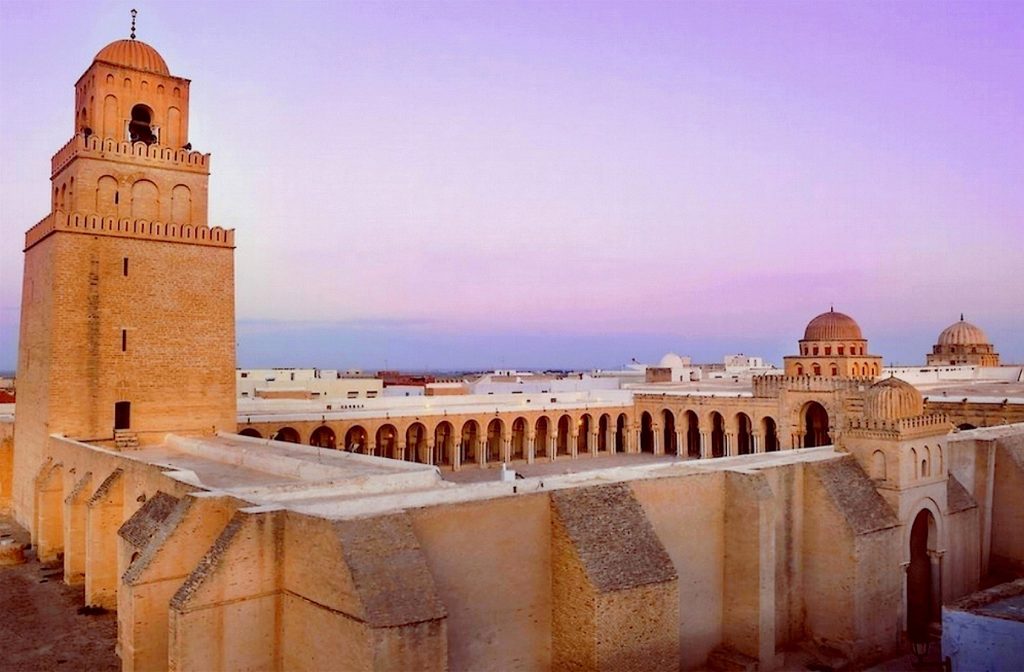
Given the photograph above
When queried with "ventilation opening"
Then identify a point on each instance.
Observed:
(140, 128)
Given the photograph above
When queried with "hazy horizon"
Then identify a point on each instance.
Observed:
(569, 185)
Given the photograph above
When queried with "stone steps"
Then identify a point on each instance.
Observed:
(125, 440)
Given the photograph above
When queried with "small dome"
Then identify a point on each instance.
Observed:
(962, 333)
(893, 399)
(671, 361)
(832, 326)
(133, 54)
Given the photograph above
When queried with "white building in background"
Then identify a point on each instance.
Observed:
(526, 382)
(287, 383)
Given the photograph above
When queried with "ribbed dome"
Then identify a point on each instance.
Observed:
(893, 399)
(832, 326)
(133, 54)
(962, 333)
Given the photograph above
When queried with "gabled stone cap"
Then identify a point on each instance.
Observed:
(389, 571)
(854, 495)
(957, 497)
(138, 529)
(617, 545)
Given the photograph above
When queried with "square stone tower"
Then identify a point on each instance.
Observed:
(127, 310)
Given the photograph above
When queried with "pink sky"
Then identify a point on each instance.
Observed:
(631, 177)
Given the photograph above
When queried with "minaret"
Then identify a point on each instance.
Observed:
(127, 312)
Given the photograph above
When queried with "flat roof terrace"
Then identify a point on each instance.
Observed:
(278, 410)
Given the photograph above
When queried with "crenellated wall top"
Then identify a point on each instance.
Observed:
(108, 148)
(930, 423)
(128, 228)
(770, 386)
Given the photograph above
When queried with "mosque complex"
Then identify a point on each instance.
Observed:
(835, 508)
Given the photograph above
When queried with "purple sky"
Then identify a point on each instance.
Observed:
(570, 185)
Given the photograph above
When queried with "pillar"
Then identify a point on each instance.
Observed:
(75, 511)
(730, 444)
(104, 515)
(531, 440)
(680, 445)
(457, 456)
(506, 449)
(49, 532)
(481, 449)
(402, 454)
(705, 446)
(593, 443)
(758, 441)
(430, 452)
(574, 437)
(553, 445)
(935, 558)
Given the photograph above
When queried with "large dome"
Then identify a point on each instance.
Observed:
(133, 54)
(962, 333)
(832, 326)
(893, 399)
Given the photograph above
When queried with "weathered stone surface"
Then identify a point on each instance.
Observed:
(138, 529)
(855, 497)
(957, 497)
(617, 545)
(389, 571)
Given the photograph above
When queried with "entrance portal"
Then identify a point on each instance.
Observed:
(815, 425)
(923, 604)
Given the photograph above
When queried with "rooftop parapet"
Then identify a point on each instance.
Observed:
(108, 148)
(770, 386)
(128, 228)
(928, 424)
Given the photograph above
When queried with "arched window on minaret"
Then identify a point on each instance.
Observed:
(140, 128)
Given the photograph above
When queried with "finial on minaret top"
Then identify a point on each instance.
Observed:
(831, 308)
(134, 12)
(961, 317)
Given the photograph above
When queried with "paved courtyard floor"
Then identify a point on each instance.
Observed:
(42, 628)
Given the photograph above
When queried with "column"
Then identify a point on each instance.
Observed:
(680, 445)
(659, 439)
(573, 438)
(481, 450)
(705, 446)
(758, 442)
(530, 440)
(506, 449)
(935, 558)
(430, 452)
(401, 452)
(592, 443)
(609, 439)
(730, 444)
(552, 446)
(457, 456)
(636, 440)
